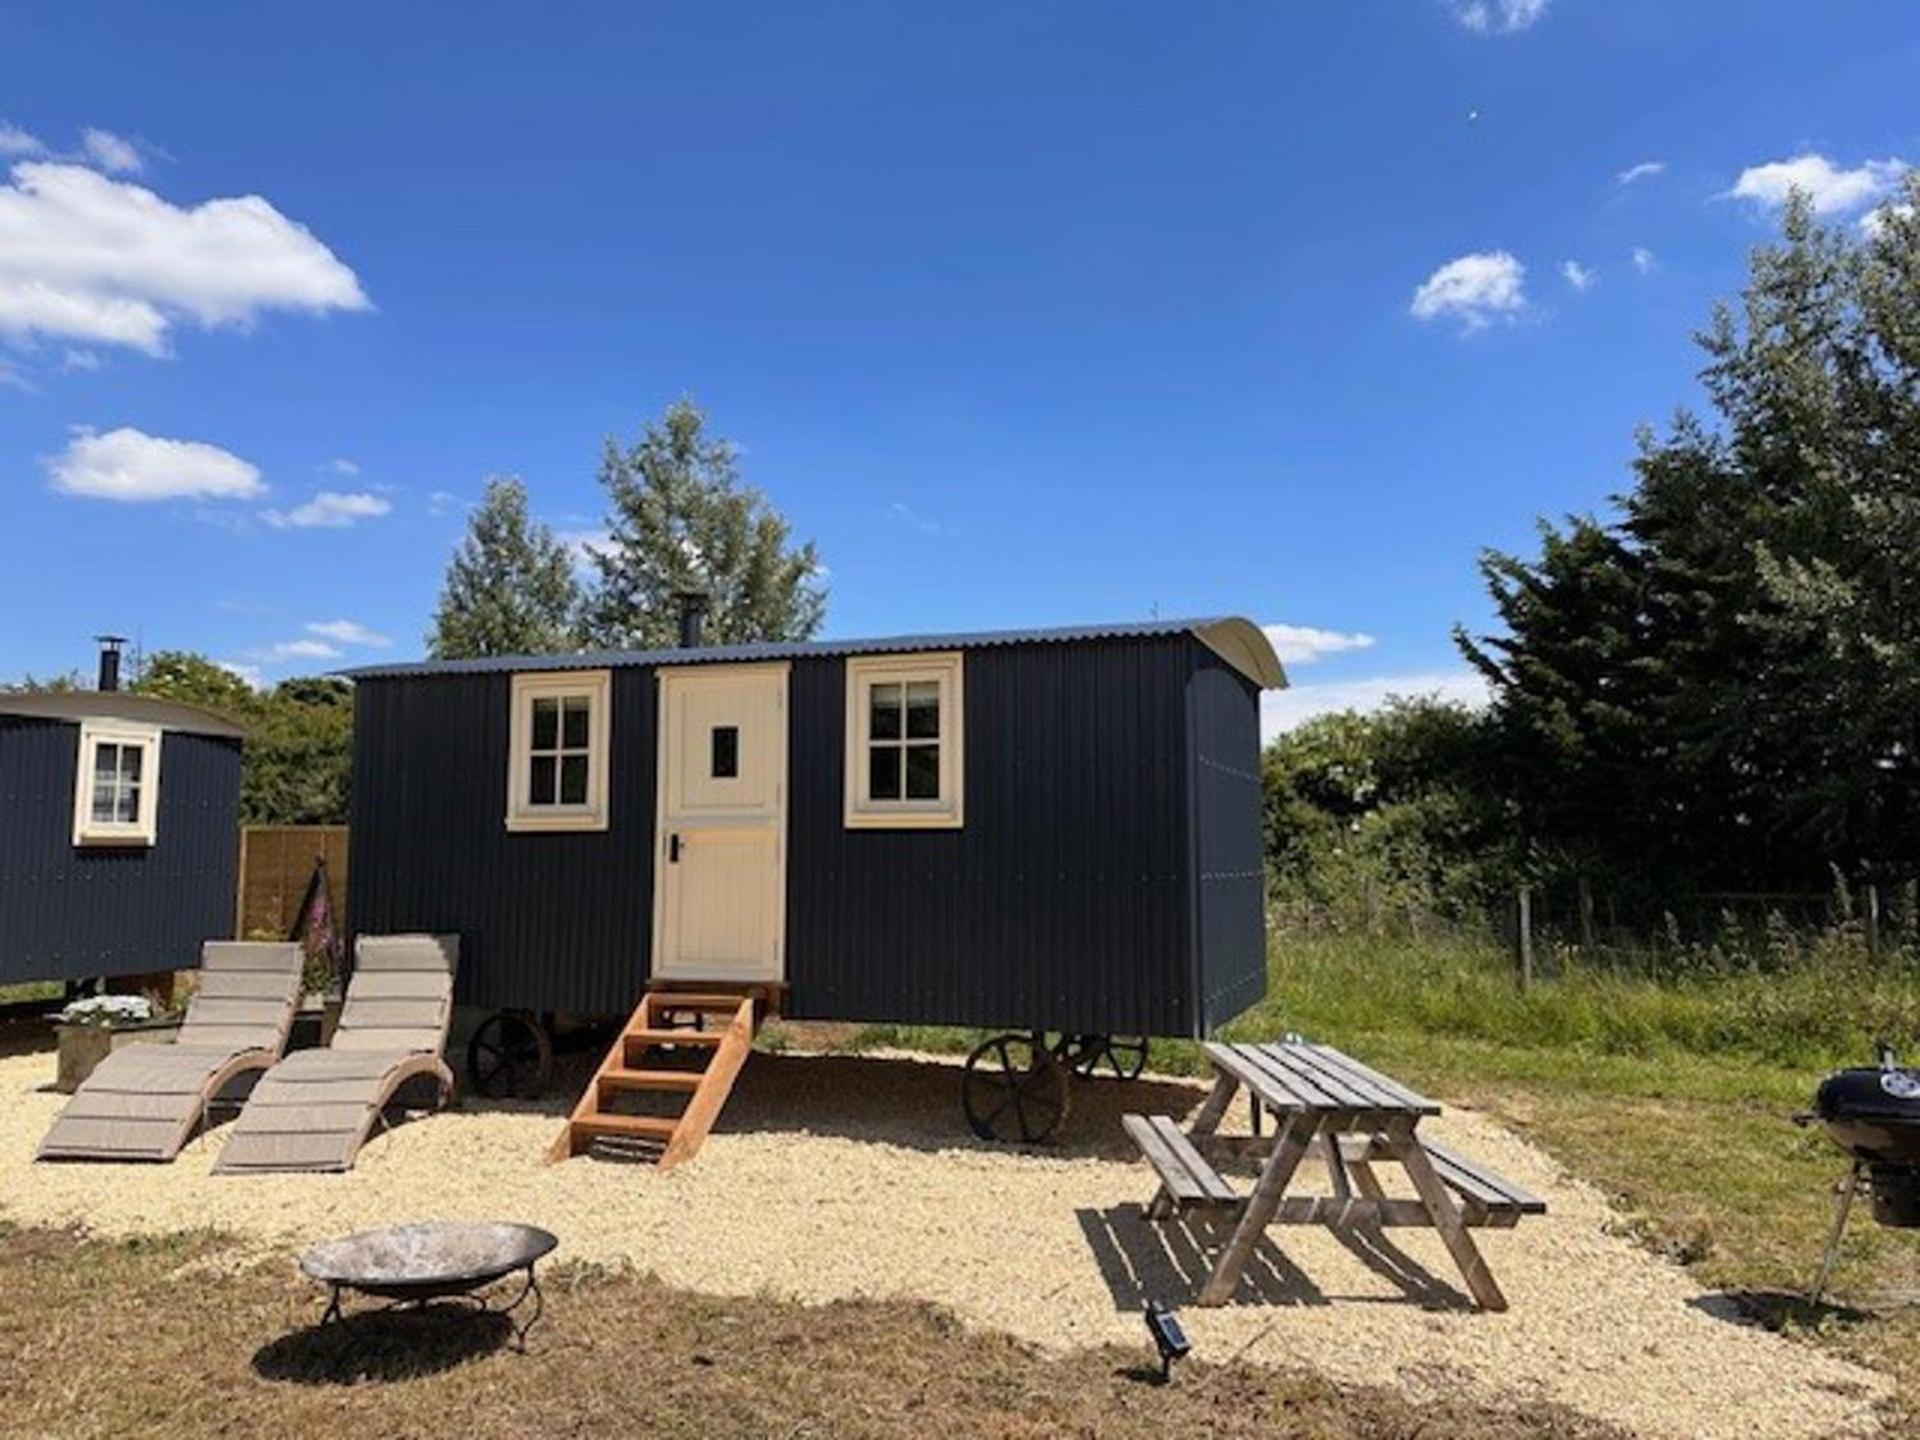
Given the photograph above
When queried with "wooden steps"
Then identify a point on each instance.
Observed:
(646, 1059)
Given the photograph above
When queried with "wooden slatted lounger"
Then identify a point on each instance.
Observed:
(146, 1101)
(315, 1109)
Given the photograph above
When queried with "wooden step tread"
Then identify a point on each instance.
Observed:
(621, 1078)
(651, 1036)
(696, 1000)
(651, 1127)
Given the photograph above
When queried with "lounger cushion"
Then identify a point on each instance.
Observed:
(145, 1101)
(314, 1109)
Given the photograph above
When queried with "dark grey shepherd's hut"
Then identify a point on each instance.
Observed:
(118, 831)
(1044, 829)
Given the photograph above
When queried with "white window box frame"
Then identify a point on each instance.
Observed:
(947, 668)
(146, 829)
(528, 686)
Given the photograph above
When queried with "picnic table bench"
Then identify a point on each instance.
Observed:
(1352, 1117)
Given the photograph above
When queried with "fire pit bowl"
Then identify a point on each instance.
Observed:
(413, 1264)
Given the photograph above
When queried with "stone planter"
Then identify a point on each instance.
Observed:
(84, 1046)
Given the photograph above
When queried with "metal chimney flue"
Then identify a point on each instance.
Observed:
(693, 607)
(110, 660)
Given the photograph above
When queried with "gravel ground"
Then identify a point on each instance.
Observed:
(836, 1176)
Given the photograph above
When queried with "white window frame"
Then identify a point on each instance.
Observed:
(144, 829)
(948, 670)
(596, 686)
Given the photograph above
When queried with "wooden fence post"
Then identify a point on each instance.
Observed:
(1523, 934)
(1872, 909)
(1586, 913)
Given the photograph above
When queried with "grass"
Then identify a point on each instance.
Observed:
(1672, 1092)
(157, 1338)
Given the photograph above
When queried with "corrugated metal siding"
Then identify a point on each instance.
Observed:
(1223, 710)
(1062, 903)
(558, 921)
(69, 912)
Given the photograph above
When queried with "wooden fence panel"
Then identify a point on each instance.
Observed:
(276, 861)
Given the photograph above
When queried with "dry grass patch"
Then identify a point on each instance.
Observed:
(159, 1337)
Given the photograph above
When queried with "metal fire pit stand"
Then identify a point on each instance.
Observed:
(529, 1290)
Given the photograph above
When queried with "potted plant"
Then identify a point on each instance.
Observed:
(90, 1030)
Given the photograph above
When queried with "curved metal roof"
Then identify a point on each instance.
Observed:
(78, 705)
(1239, 642)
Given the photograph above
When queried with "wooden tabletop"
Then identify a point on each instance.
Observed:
(1297, 1076)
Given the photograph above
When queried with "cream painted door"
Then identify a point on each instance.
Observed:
(719, 899)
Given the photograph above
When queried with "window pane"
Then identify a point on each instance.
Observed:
(573, 780)
(129, 805)
(574, 726)
(884, 712)
(726, 752)
(130, 763)
(923, 710)
(540, 781)
(106, 764)
(923, 772)
(546, 724)
(883, 772)
(103, 804)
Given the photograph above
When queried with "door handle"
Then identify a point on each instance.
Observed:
(673, 849)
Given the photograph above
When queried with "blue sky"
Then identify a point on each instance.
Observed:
(1028, 313)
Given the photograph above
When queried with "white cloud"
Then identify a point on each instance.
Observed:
(1832, 190)
(243, 671)
(1304, 644)
(130, 465)
(1580, 277)
(1282, 710)
(442, 502)
(72, 359)
(340, 466)
(298, 650)
(15, 142)
(11, 378)
(1497, 17)
(348, 632)
(1643, 259)
(1645, 170)
(87, 258)
(1475, 289)
(1880, 214)
(112, 153)
(583, 545)
(904, 514)
(330, 510)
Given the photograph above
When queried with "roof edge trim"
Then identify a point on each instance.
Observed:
(1243, 645)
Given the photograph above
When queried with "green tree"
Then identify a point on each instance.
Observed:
(681, 519)
(510, 587)
(1722, 683)
(296, 768)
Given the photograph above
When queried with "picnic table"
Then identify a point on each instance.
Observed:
(1352, 1117)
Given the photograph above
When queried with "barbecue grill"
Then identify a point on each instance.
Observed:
(1873, 1113)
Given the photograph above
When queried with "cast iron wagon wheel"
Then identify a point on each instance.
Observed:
(510, 1056)
(1091, 1056)
(1015, 1088)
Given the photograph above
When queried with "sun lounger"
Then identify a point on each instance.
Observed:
(144, 1102)
(315, 1109)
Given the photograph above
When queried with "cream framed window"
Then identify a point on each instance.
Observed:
(906, 741)
(116, 791)
(557, 750)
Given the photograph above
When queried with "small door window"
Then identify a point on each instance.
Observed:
(726, 752)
